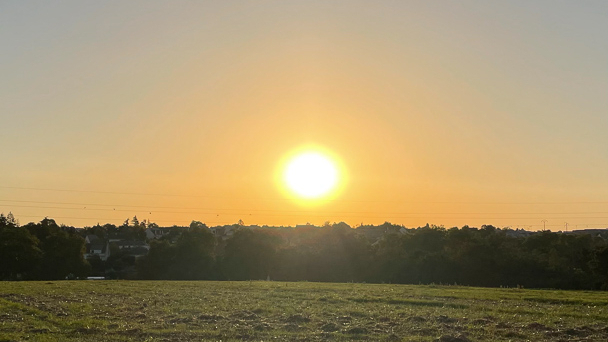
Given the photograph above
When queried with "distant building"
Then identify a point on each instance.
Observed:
(133, 247)
(597, 232)
(518, 232)
(372, 233)
(223, 232)
(157, 233)
(130, 244)
(97, 247)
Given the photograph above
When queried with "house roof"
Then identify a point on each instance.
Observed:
(92, 238)
(97, 245)
(131, 243)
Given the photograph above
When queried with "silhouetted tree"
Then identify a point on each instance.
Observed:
(250, 255)
(190, 257)
(19, 252)
(62, 251)
(488, 256)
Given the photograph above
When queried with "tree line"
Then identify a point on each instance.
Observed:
(40, 251)
(486, 256)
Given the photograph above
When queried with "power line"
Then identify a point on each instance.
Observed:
(179, 210)
(295, 199)
(325, 215)
(223, 222)
(245, 212)
(111, 219)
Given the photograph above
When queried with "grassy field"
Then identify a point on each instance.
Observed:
(276, 311)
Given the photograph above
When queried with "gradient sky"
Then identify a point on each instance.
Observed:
(451, 113)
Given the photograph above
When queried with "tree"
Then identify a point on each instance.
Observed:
(159, 261)
(194, 254)
(19, 252)
(197, 225)
(189, 258)
(599, 265)
(250, 255)
(8, 220)
(62, 251)
(97, 230)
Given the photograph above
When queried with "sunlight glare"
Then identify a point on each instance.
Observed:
(311, 175)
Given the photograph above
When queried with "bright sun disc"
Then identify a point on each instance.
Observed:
(311, 175)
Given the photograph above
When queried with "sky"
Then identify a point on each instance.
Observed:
(448, 113)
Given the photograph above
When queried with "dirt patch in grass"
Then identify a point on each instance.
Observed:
(356, 331)
(211, 318)
(450, 338)
(246, 315)
(297, 319)
(445, 319)
(329, 327)
(537, 326)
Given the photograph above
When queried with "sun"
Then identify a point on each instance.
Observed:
(311, 175)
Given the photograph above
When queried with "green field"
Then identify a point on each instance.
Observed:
(277, 311)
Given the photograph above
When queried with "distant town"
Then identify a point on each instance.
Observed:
(333, 252)
(98, 244)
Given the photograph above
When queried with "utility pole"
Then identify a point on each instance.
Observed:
(544, 224)
(566, 224)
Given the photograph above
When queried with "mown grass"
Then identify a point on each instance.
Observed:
(277, 311)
